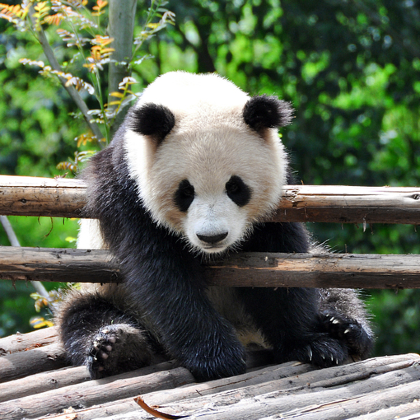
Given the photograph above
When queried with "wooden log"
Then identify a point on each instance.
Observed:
(23, 342)
(239, 270)
(255, 377)
(61, 265)
(296, 396)
(65, 377)
(369, 271)
(400, 412)
(28, 196)
(348, 204)
(33, 196)
(331, 405)
(53, 380)
(358, 405)
(42, 382)
(92, 392)
(286, 380)
(255, 383)
(25, 363)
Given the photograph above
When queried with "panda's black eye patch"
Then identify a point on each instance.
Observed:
(184, 195)
(238, 191)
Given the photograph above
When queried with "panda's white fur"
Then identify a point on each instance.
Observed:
(164, 195)
(203, 146)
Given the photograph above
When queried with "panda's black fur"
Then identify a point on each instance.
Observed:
(163, 307)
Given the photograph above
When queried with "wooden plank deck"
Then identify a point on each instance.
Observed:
(36, 383)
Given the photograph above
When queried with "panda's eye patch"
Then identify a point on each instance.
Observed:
(184, 195)
(238, 191)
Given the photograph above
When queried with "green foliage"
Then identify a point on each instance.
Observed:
(82, 51)
(37, 134)
(351, 69)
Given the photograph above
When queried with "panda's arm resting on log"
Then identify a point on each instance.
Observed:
(193, 172)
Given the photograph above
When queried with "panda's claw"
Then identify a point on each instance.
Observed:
(349, 332)
(310, 353)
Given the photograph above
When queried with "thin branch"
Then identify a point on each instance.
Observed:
(74, 94)
(8, 228)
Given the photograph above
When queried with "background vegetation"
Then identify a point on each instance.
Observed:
(351, 69)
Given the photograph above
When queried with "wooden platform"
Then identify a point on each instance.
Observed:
(36, 383)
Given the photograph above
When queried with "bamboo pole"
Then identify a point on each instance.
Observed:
(31, 196)
(239, 270)
(121, 29)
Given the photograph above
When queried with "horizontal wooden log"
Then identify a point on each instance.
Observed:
(59, 378)
(57, 264)
(404, 411)
(368, 271)
(93, 392)
(287, 376)
(127, 405)
(29, 196)
(240, 270)
(286, 380)
(33, 196)
(348, 204)
(23, 342)
(336, 388)
(302, 395)
(24, 363)
(42, 382)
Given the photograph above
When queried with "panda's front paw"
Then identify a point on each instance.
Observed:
(115, 349)
(217, 364)
(323, 351)
(355, 337)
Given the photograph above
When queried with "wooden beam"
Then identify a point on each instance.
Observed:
(240, 270)
(31, 196)
(347, 204)
(57, 264)
(28, 196)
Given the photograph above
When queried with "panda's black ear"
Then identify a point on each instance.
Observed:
(152, 120)
(262, 112)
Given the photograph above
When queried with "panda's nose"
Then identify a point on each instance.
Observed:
(212, 239)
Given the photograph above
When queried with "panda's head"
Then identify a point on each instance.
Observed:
(206, 157)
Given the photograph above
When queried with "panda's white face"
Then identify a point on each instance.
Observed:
(203, 169)
(209, 185)
(214, 220)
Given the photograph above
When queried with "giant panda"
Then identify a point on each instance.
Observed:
(194, 172)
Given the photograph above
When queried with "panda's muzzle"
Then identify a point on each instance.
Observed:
(212, 239)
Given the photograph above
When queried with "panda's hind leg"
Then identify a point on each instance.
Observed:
(98, 335)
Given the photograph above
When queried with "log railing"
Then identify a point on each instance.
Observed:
(28, 196)
(244, 269)
(342, 204)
